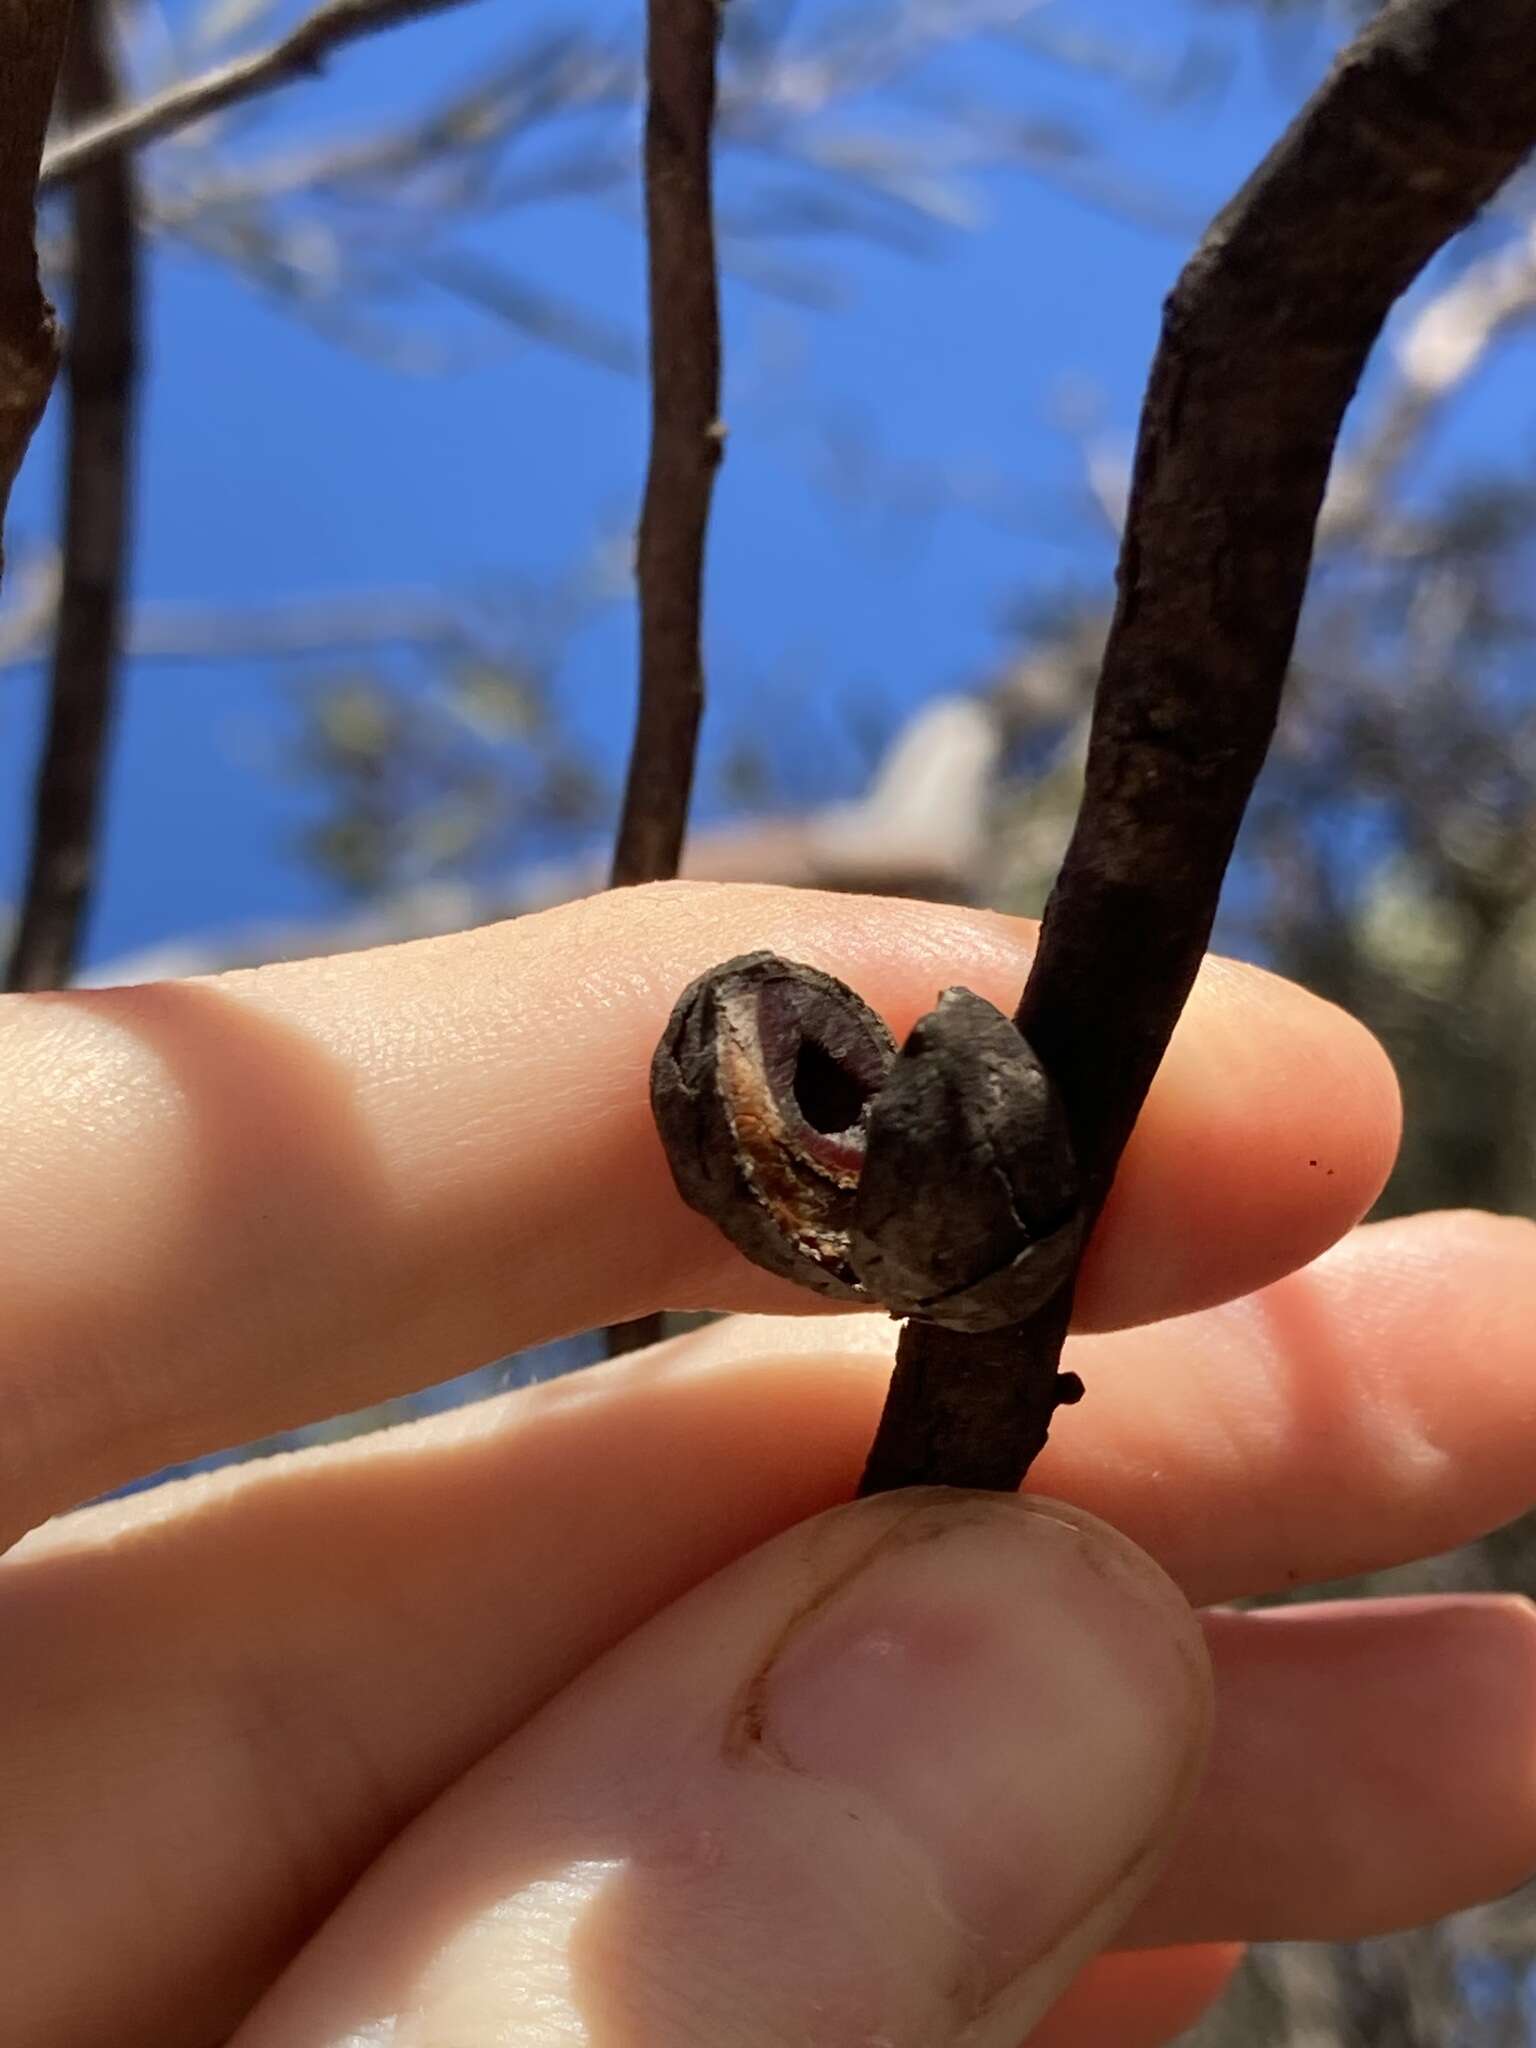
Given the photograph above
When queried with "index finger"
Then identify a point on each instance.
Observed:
(235, 1205)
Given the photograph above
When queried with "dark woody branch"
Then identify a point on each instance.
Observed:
(101, 367)
(31, 45)
(686, 435)
(682, 40)
(1264, 339)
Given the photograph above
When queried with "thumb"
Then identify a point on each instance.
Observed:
(891, 1779)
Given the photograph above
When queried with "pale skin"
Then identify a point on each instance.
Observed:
(237, 1205)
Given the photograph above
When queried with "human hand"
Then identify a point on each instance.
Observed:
(462, 1706)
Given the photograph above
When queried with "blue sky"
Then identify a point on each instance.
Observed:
(276, 464)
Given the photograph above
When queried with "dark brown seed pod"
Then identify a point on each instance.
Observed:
(969, 1208)
(761, 1088)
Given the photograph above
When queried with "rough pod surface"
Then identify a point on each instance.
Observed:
(937, 1181)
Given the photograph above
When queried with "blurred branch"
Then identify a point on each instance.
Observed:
(1443, 346)
(686, 435)
(299, 54)
(479, 620)
(31, 45)
(341, 228)
(100, 365)
(298, 631)
(555, 73)
(31, 607)
(539, 314)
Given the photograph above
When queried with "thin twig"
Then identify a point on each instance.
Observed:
(686, 446)
(686, 436)
(31, 45)
(299, 54)
(1264, 339)
(100, 372)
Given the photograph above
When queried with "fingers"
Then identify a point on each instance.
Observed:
(1377, 1406)
(338, 1635)
(225, 1697)
(893, 1778)
(235, 1205)
(1138, 1998)
(1373, 1766)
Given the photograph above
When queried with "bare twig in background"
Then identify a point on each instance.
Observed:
(307, 629)
(31, 44)
(776, 96)
(100, 370)
(1264, 339)
(299, 54)
(341, 230)
(1443, 345)
(686, 445)
(686, 435)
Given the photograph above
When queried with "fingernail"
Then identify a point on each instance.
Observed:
(1019, 1691)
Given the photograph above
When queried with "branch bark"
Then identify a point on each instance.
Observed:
(1263, 342)
(31, 45)
(686, 435)
(687, 441)
(299, 54)
(100, 371)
